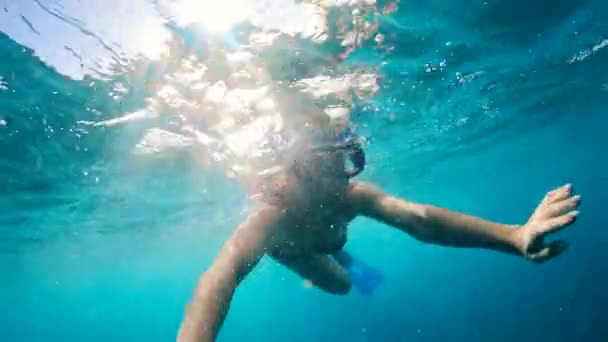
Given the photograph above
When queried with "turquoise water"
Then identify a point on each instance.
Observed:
(482, 108)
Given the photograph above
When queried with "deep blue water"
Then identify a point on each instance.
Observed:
(483, 107)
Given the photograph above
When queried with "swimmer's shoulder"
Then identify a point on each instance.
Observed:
(360, 196)
(268, 220)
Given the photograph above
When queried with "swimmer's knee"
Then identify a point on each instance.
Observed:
(339, 287)
(344, 289)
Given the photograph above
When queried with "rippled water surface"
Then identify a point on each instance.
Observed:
(126, 125)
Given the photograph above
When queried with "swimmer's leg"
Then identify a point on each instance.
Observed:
(322, 270)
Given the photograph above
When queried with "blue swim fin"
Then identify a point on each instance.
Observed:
(365, 278)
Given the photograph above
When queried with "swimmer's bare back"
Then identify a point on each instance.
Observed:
(261, 233)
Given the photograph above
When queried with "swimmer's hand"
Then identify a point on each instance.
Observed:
(555, 212)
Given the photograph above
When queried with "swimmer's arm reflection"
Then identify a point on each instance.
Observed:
(444, 227)
(216, 286)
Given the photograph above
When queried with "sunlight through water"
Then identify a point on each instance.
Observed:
(246, 99)
(215, 16)
(137, 135)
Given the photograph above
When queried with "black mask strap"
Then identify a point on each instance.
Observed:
(357, 158)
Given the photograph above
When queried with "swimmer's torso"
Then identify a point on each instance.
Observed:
(315, 231)
(315, 205)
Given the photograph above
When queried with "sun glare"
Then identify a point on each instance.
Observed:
(214, 15)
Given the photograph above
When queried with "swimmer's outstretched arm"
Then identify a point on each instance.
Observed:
(444, 227)
(211, 300)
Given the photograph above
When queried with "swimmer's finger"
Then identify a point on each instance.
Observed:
(558, 194)
(563, 206)
(554, 249)
(557, 223)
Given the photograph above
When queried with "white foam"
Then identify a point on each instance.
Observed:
(581, 56)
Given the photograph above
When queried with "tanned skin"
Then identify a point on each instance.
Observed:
(295, 239)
